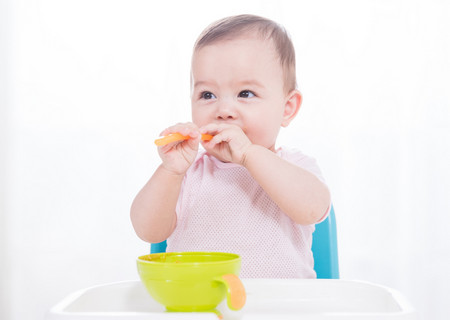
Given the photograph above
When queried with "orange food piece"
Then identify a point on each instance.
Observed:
(178, 137)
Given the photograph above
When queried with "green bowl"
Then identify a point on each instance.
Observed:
(192, 281)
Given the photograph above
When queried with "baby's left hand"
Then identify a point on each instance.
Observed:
(229, 143)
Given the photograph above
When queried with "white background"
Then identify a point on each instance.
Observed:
(87, 85)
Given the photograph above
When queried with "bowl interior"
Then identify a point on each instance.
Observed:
(189, 258)
(187, 266)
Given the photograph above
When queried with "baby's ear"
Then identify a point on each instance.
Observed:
(291, 107)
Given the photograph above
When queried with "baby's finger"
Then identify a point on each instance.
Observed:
(211, 129)
(178, 132)
(219, 138)
(181, 127)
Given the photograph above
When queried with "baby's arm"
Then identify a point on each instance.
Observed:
(153, 210)
(298, 192)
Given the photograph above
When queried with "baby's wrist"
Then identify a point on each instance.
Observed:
(173, 172)
(248, 154)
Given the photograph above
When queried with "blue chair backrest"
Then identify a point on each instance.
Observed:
(324, 248)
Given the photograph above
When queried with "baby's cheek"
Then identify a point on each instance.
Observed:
(266, 137)
(199, 120)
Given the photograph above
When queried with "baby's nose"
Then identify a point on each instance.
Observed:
(226, 111)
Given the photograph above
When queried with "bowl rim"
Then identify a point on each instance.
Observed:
(233, 258)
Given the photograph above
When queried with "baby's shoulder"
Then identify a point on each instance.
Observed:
(293, 155)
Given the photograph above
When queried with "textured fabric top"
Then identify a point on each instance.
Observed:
(222, 208)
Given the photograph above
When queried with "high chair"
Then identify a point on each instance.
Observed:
(324, 248)
(281, 299)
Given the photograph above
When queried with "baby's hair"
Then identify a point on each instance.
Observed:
(234, 26)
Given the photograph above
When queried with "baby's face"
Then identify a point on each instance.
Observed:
(240, 82)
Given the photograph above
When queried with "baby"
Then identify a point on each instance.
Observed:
(240, 194)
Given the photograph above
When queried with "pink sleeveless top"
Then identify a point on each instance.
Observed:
(222, 208)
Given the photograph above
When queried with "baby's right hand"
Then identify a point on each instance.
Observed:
(178, 156)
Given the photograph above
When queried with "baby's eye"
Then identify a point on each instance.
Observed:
(246, 94)
(207, 95)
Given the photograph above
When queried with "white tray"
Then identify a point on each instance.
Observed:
(281, 299)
